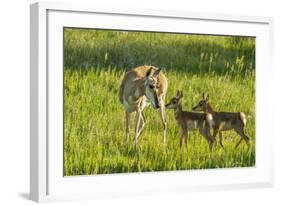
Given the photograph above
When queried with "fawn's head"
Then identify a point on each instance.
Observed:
(175, 101)
(152, 86)
(203, 104)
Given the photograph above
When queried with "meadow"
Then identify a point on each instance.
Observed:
(95, 62)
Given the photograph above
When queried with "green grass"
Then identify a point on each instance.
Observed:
(94, 123)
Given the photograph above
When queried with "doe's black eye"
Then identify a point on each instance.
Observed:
(152, 86)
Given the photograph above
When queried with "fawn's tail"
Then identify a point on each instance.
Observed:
(243, 118)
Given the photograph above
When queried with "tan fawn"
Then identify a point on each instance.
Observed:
(140, 86)
(224, 121)
(189, 121)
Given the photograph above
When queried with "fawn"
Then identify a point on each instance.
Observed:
(224, 121)
(189, 121)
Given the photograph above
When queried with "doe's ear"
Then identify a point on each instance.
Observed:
(156, 73)
(149, 72)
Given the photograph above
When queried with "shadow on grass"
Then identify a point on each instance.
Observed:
(195, 54)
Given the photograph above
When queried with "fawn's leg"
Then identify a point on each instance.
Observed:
(211, 141)
(182, 137)
(216, 130)
(181, 141)
(205, 131)
(240, 131)
(220, 138)
(238, 143)
(186, 138)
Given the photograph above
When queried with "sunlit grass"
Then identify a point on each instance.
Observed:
(94, 126)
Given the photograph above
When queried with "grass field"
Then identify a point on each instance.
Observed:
(94, 124)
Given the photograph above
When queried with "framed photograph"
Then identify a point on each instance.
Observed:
(130, 102)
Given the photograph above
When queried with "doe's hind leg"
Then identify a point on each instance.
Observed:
(142, 123)
(127, 126)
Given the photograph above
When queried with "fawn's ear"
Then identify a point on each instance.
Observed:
(203, 96)
(181, 94)
(178, 94)
(207, 97)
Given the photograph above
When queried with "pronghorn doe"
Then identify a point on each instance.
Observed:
(189, 121)
(224, 121)
(139, 85)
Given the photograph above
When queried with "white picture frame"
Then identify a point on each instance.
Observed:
(46, 178)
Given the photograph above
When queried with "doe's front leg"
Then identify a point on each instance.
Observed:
(138, 119)
(163, 120)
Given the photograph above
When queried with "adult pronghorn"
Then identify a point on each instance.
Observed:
(140, 85)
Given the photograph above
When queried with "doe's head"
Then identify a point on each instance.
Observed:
(203, 103)
(152, 85)
(175, 101)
